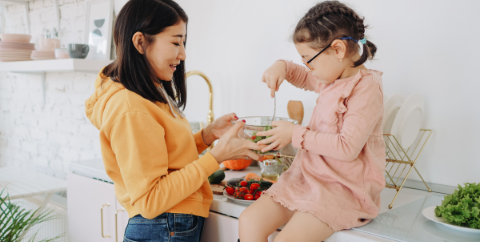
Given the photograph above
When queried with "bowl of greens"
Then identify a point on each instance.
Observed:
(255, 124)
(461, 209)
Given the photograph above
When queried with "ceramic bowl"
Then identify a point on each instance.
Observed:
(61, 53)
(22, 38)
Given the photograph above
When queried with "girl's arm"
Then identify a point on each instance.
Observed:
(300, 77)
(364, 111)
(138, 142)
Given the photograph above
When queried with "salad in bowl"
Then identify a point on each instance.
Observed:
(255, 124)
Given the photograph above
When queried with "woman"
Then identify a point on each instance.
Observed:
(147, 145)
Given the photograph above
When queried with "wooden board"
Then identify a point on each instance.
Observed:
(217, 189)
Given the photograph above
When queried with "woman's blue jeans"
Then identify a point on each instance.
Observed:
(167, 227)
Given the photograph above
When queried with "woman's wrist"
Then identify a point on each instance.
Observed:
(216, 155)
(208, 136)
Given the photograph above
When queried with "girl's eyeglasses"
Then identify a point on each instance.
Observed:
(363, 41)
(308, 62)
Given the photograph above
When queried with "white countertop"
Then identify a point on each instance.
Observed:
(234, 209)
(95, 169)
(23, 183)
(227, 207)
(90, 168)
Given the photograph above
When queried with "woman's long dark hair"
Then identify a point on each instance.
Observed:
(131, 68)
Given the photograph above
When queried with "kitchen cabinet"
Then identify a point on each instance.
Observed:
(87, 195)
(220, 228)
(122, 221)
(91, 211)
(90, 199)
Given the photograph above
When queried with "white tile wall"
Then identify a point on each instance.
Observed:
(46, 138)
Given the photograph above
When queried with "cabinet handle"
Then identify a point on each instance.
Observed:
(116, 226)
(101, 216)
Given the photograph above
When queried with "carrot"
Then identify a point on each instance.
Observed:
(267, 157)
(252, 176)
(256, 178)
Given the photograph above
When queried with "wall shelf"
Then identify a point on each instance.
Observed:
(56, 65)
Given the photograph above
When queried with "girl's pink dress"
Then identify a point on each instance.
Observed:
(338, 174)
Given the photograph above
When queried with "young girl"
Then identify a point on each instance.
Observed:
(336, 178)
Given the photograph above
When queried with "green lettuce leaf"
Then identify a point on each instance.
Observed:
(462, 207)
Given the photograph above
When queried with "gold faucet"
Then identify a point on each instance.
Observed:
(210, 116)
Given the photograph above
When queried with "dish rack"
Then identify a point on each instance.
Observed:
(399, 158)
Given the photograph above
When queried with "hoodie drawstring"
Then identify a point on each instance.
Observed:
(170, 102)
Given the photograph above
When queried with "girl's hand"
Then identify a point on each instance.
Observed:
(281, 135)
(274, 76)
(219, 127)
(232, 147)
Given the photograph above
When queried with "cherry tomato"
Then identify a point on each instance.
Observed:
(230, 190)
(258, 193)
(254, 137)
(243, 183)
(256, 197)
(248, 197)
(238, 195)
(243, 189)
(254, 186)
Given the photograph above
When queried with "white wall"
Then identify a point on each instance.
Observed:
(426, 47)
(46, 139)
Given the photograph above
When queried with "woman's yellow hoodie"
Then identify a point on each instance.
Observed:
(151, 156)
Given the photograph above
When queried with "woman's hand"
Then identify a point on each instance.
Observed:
(274, 76)
(281, 135)
(219, 127)
(231, 147)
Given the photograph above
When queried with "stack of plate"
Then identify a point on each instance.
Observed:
(403, 118)
(43, 55)
(15, 47)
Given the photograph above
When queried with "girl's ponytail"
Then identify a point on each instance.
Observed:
(369, 50)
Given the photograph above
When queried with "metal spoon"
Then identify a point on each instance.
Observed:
(274, 107)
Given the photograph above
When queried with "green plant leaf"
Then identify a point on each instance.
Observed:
(15, 220)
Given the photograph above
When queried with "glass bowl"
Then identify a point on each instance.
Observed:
(256, 124)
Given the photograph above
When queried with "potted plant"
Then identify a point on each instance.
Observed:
(15, 221)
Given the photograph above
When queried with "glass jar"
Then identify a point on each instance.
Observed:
(271, 169)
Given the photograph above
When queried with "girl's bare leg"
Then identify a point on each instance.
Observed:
(261, 219)
(304, 227)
